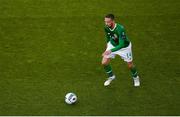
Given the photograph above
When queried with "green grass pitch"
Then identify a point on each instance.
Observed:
(51, 47)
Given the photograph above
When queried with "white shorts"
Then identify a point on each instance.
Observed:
(124, 53)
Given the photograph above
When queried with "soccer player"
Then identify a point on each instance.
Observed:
(117, 44)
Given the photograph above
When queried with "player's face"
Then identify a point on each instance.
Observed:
(109, 22)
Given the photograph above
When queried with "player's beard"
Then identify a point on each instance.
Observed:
(111, 26)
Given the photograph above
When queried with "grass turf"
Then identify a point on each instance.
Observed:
(51, 47)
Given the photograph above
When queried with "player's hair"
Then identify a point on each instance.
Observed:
(111, 16)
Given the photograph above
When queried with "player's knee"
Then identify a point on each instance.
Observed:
(130, 65)
(104, 62)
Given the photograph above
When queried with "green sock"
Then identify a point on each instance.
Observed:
(108, 70)
(133, 71)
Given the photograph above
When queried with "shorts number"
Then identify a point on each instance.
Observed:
(129, 55)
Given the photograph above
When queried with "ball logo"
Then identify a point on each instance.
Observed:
(70, 98)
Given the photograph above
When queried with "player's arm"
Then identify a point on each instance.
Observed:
(107, 40)
(122, 37)
(107, 36)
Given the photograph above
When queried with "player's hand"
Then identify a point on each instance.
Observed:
(107, 52)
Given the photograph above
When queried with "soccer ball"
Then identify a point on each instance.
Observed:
(70, 98)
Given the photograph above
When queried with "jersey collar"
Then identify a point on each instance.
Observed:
(113, 28)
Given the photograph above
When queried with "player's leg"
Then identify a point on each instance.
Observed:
(134, 73)
(107, 67)
(132, 68)
(126, 55)
(108, 70)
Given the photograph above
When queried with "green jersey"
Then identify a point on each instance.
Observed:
(117, 37)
